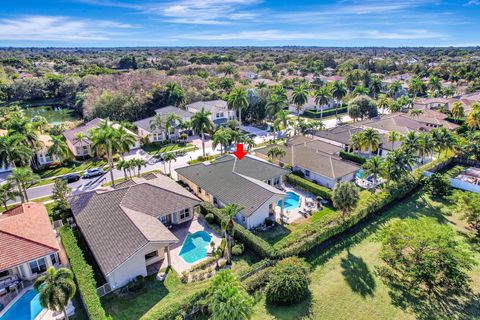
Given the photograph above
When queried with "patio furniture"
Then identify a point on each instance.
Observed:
(3, 292)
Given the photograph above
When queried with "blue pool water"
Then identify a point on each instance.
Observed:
(26, 308)
(360, 173)
(195, 246)
(292, 201)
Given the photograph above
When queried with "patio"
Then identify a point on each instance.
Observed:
(307, 206)
(181, 232)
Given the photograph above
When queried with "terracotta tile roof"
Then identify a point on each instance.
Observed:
(25, 234)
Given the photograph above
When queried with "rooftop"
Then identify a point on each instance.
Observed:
(212, 106)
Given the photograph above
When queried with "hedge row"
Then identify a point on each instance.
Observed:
(258, 245)
(83, 274)
(306, 238)
(352, 157)
(180, 310)
(326, 113)
(309, 186)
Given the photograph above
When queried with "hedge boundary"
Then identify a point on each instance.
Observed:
(309, 186)
(326, 113)
(83, 274)
(257, 244)
(352, 157)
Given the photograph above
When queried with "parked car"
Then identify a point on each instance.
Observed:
(71, 177)
(91, 173)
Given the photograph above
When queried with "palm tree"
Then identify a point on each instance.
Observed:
(359, 91)
(394, 136)
(415, 113)
(473, 118)
(39, 123)
(434, 84)
(202, 124)
(140, 163)
(56, 288)
(172, 120)
(23, 178)
(356, 142)
(370, 139)
(23, 127)
(59, 148)
(373, 166)
(338, 92)
(457, 110)
(238, 100)
(7, 193)
(322, 98)
(383, 103)
(416, 86)
(230, 211)
(425, 145)
(221, 138)
(122, 165)
(281, 118)
(169, 157)
(397, 164)
(411, 142)
(375, 87)
(276, 152)
(443, 140)
(125, 140)
(299, 98)
(249, 143)
(105, 141)
(13, 151)
(394, 88)
(81, 138)
(157, 123)
(174, 94)
(275, 104)
(345, 197)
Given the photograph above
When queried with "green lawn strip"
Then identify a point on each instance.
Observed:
(72, 167)
(344, 282)
(155, 149)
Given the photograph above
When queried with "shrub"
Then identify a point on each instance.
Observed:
(256, 244)
(182, 308)
(137, 284)
(352, 157)
(237, 249)
(309, 186)
(210, 218)
(257, 280)
(83, 274)
(288, 281)
(203, 264)
(299, 173)
(438, 185)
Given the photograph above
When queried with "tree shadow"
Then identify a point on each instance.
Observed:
(358, 275)
(301, 310)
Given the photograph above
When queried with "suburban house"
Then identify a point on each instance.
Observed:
(250, 183)
(43, 157)
(28, 247)
(127, 228)
(160, 134)
(81, 148)
(316, 159)
(339, 136)
(312, 105)
(430, 103)
(220, 113)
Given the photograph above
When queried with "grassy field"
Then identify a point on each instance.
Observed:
(345, 286)
(156, 148)
(71, 167)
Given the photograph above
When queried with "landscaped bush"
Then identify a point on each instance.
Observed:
(258, 245)
(137, 284)
(178, 310)
(237, 249)
(326, 113)
(83, 274)
(288, 281)
(309, 186)
(438, 185)
(210, 218)
(204, 264)
(352, 157)
(257, 280)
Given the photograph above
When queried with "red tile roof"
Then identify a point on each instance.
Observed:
(25, 234)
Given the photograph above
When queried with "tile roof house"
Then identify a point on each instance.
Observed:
(126, 228)
(318, 160)
(82, 148)
(249, 183)
(28, 244)
(220, 113)
(160, 134)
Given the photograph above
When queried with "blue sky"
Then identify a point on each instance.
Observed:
(239, 23)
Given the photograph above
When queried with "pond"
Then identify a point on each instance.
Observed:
(53, 114)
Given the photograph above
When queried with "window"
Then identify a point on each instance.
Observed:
(151, 255)
(38, 266)
(53, 258)
(185, 213)
(307, 173)
(4, 273)
(199, 190)
(163, 219)
(277, 181)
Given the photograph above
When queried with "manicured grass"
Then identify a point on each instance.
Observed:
(71, 167)
(345, 286)
(241, 263)
(157, 148)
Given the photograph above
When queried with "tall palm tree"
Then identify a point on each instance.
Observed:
(299, 99)
(338, 92)
(13, 151)
(7, 193)
(425, 145)
(322, 97)
(443, 140)
(370, 139)
(373, 167)
(356, 142)
(394, 88)
(473, 118)
(125, 140)
(281, 118)
(411, 142)
(221, 138)
(457, 110)
(59, 148)
(435, 84)
(238, 100)
(56, 288)
(415, 113)
(202, 124)
(172, 120)
(174, 94)
(105, 141)
(276, 152)
(23, 178)
(230, 211)
(80, 137)
(168, 158)
(122, 165)
(416, 86)
(249, 143)
(375, 87)
(383, 103)
(139, 163)
(24, 128)
(276, 103)
(394, 136)
(158, 123)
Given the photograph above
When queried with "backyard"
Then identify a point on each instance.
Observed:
(344, 282)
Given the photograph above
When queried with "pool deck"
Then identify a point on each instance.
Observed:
(192, 226)
(294, 214)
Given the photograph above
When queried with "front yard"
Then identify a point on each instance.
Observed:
(158, 148)
(71, 167)
(345, 285)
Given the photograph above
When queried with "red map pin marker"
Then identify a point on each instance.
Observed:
(239, 153)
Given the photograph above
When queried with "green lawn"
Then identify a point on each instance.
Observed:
(157, 148)
(345, 286)
(71, 167)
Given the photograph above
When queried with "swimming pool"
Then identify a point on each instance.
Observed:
(292, 201)
(195, 246)
(360, 174)
(27, 307)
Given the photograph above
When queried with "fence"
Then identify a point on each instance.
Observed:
(104, 290)
(458, 183)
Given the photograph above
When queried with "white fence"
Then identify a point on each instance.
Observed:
(460, 184)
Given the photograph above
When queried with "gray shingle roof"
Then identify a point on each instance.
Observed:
(213, 106)
(341, 134)
(236, 187)
(70, 134)
(117, 223)
(145, 123)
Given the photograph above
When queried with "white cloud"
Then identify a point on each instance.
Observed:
(59, 28)
(473, 3)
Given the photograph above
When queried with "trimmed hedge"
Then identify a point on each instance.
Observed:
(352, 157)
(83, 274)
(309, 186)
(258, 245)
(191, 304)
(326, 113)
